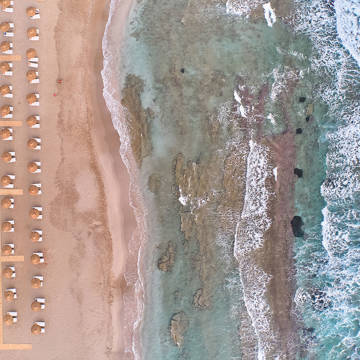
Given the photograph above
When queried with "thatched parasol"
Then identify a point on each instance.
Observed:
(34, 213)
(9, 296)
(35, 259)
(5, 180)
(34, 236)
(6, 156)
(32, 32)
(6, 250)
(5, 110)
(4, 67)
(4, 4)
(8, 319)
(6, 226)
(4, 26)
(35, 283)
(8, 272)
(4, 90)
(32, 144)
(31, 121)
(36, 329)
(5, 46)
(34, 190)
(6, 202)
(31, 98)
(31, 11)
(31, 53)
(35, 306)
(31, 75)
(32, 167)
(5, 133)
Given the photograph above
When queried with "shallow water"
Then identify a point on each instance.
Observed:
(198, 71)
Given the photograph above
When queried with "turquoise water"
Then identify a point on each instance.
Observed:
(212, 84)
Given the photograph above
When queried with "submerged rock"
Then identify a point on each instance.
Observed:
(302, 99)
(299, 131)
(154, 183)
(319, 299)
(296, 224)
(167, 259)
(178, 327)
(200, 299)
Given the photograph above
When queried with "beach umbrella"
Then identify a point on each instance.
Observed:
(35, 259)
(32, 144)
(31, 53)
(6, 202)
(6, 250)
(31, 75)
(36, 329)
(8, 272)
(6, 156)
(32, 167)
(4, 67)
(4, 90)
(31, 98)
(35, 283)
(34, 213)
(9, 296)
(34, 236)
(31, 11)
(5, 110)
(4, 26)
(5, 4)
(5, 180)
(35, 306)
(8, 319)
(31, 121)
(5, 46)
(34, 190)
(32, 32)
(6, 226)
(5, 133)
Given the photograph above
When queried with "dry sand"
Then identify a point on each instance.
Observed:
(87, 218)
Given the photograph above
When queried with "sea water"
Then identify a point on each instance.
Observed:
(202, 175)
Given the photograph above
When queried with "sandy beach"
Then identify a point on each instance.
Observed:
(85, 190)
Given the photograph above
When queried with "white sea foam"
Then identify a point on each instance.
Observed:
(348, 25)
(242, 7)
(254, 222)
(271, 118)
(111, 92)
(269, 14)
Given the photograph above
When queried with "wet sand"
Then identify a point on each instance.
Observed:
(87, 217)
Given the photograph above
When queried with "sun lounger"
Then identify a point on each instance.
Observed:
(11, 185)
(13, 290)
(41, 278)
(12, 248)
(38, 185)
(42, 325)
(10, 51)
(9, 116)
(41, 255)
(40, 209)
(36, 37)
(13, 314)
(40, 233)
(13, 276)
(10, 95)
(37, 103)
(33, 64)
(39, 146)
(41, 301)
(13, 156)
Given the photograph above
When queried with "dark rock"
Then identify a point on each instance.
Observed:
(296, 224)
(178, 327)
(302, 99)
(182, 70)
(299, 130)
(309, 118)
(298, 172)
